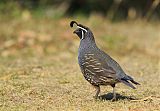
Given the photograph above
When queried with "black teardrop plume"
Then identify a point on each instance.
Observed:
(72, 23)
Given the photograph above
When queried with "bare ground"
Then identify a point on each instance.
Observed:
(39, 70)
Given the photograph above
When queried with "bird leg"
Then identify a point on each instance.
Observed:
(114, 93)
(97, 92)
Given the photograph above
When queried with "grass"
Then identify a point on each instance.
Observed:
(39, 70)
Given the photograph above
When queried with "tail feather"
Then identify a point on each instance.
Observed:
(135, 82)
(132, 80)
(127, 83)
(127, 80)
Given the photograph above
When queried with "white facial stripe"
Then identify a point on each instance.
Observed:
(82, 35)
(82, 28)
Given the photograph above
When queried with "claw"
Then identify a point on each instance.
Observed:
(95, 97)
(113, 99)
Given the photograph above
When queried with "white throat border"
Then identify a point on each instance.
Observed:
(82, 28)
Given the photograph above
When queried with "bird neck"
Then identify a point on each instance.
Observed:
(88, 42)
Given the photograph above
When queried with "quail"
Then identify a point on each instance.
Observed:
(97, 67)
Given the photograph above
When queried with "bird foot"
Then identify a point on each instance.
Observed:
(95, 97)
(113, 99)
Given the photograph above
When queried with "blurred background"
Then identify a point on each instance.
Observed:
(38, 53)
(31, 27)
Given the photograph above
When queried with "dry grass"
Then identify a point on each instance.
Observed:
(39, 70)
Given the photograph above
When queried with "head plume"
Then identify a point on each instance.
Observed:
(78, 25)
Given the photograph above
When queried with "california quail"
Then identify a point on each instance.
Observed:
(98, 68)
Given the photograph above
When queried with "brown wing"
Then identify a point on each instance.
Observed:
(96, 72)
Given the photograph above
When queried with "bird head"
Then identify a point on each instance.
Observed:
(81, 30)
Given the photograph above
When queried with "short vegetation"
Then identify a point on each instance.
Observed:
(39, 69)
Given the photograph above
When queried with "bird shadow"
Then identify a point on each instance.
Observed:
(109, 96)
